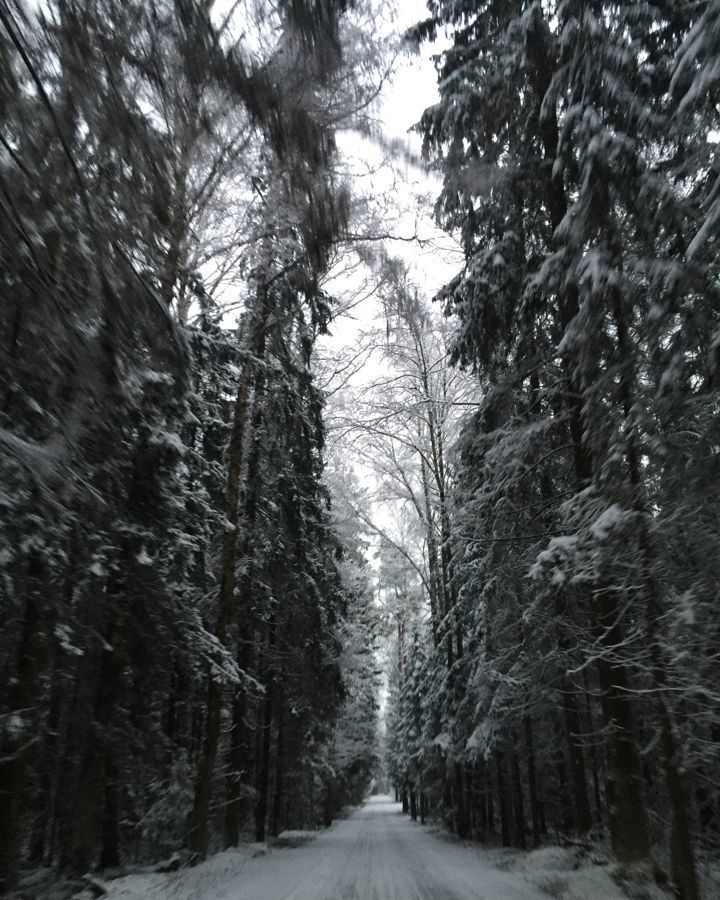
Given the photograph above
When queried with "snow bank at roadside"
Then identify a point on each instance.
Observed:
(552, 872)
(566, 873)
(217, 878)
(294, 838)
(563, 873)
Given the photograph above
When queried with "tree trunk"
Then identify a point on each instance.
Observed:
(461, 817)
(682, 856)
(261, 809)
(240, 755)
(176, 235)
(489, 806)
(12, 782)
(481, 802)
(17, 744)
(581, 803)
(199, 833)
(110, 847)
(628, 827)
(199, 826)
(469, 798)
(503, 802)
(593, 753)
(566, 811)
(278, 796)
(519, 802)
(432, 556)
(628, 822)
(532, 782)
(241, 745)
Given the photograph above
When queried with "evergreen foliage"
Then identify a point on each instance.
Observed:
(132, 133)
(577, 150)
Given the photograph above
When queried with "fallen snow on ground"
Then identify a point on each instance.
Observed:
(215, 879)
(294, 838)
(571, 874)
(379, 854)
(375, 854)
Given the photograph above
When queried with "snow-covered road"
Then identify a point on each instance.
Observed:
(380, 854)
(376, 854)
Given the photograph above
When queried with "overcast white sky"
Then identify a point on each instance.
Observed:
(414, 85)
(409, 193)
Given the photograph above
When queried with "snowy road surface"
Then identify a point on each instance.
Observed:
(376, 854)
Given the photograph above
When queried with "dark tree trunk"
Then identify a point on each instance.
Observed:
(199, 832)
(490, 806)
(110, 847)
(76, 824)
(42, 847)
(461, 818)
(279, 761)
(628, 826)
(435, 591)
(241, 744)
(17, 745)
(238, 778)
(329, 806)
(581, 803)
(532, 782)
(593, 753)
(481, 795)
(110, 695)
(503, 802)
(519, 803)
(469, 799)
(682, 855)
(199, 824)
(12, 782)
(681, 849)
(261, 809)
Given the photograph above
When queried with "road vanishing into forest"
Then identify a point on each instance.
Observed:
(380, 854)
(376, 854)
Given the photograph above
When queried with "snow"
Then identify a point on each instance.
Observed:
(377, 854)
(559, 550)
(295, 838)
(64, 635)
(611, 519)
(143, 557)
(14, 726)
(151, 376)
(171, 439)
(571, 874)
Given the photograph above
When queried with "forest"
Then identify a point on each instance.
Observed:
(336, 463)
